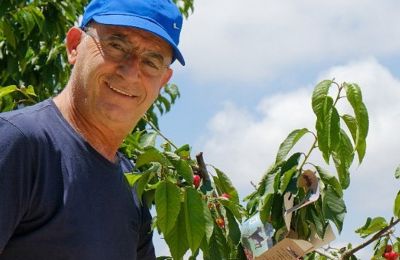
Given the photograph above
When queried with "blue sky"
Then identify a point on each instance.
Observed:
(251, 68)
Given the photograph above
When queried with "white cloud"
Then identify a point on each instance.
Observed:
(242, 142)
(250, 41)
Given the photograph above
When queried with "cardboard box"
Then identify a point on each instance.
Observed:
(291, 249)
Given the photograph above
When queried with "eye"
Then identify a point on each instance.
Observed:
(117, 45)
(153, 63)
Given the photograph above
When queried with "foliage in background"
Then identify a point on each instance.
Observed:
(32, 51)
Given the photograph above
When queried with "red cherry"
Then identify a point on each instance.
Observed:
(388, 248)
(196, 180)
(391, 255)
(394, 255)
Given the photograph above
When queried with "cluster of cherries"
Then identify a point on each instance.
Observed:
(220, 220)
(390, 254)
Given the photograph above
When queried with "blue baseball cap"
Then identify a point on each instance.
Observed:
(160, 17)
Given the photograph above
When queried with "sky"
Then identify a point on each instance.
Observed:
(251, 67)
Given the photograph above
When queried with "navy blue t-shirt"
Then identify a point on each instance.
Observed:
(60, 199)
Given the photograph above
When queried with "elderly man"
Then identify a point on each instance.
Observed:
(63, 194)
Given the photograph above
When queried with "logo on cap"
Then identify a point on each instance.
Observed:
(176, 27)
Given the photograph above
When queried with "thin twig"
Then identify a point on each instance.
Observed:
(309, 153)
(159, 132)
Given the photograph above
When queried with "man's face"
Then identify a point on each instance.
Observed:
(119, 72)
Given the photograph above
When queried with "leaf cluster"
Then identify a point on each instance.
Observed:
(285, 176)
(32, 48)
(204, 218)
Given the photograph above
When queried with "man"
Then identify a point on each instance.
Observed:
(63, 194)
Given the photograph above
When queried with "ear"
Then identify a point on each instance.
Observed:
(166, 77)
(73, 39)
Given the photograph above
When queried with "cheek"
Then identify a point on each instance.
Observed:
(155, 91)
(91, 69)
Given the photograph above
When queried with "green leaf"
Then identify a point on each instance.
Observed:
(289, 142)
(286, 179)
(7, 90)
(360, 144)
(142, 182)
(29, 91)
(182, 166)
(54, 52)
(184, 169)
(26, 19)
(38, 17)
(176, 239)
(225, 185)
(318, 221)
(270, 183)
(172, 91)
(354, 96)
(148, 197)
(397, 174)
(132, 178)
(209, 222)
(328, 129)
(330, 180)
(343, 157)
(148, 139)
(396, 210)
(351, 124)
(217, 246)
(277, 220)
(372, 226)
(183, 151)
(334, 208)
(194, 219)
(303, 229)
(233, 228)
(380, 248)
(289, 181)
(151, 154)
(9, 33)
(232, 207)
(168, 202)
(266, 206)
(165, 102)
(319, 95)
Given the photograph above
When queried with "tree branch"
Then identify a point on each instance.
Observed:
(347, 254)
(202, 170)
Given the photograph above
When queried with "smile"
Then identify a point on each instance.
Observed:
(120, 91)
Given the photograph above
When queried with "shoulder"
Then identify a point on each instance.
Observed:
(31, 123)
(27, 118)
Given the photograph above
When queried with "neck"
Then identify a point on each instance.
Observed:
(104, 138)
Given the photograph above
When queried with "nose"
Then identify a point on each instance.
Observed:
(129, 68)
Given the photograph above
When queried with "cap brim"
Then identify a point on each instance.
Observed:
(143, 24)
